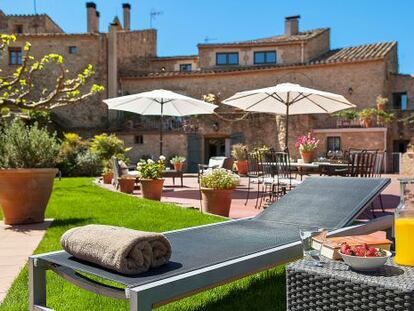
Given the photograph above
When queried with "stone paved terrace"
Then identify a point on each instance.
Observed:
(189, 196)
(17, 243)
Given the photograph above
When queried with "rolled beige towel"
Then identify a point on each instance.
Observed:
(124, 250)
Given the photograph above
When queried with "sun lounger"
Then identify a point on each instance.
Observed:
(210, 255)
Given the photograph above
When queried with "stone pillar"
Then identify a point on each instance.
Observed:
(112, 66)
(292, 25)
(127, 16)
(91, 17)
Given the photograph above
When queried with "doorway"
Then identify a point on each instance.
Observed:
(214, 147)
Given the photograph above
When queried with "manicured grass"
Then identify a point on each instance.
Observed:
(76, 202)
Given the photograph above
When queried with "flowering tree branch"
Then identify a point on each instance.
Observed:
(17, 91)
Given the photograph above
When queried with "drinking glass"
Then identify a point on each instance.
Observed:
(312, 256)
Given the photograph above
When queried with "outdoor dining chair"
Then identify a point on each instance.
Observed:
(254, 173)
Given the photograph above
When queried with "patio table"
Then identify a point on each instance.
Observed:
(334, 286)
(173, 174)
(325, 168)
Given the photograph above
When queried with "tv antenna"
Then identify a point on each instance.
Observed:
(34, 6)
(207, 39)
(153, 15)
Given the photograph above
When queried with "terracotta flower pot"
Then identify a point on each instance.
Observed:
(178, 166)
(107, 178)
(242, 167)
(381, 106)
(127, 184)
(215, 201)
(307, 156)
(367, 123)
(24, 194)
(152, 188)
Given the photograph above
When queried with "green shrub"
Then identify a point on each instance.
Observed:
(106, 146)
(72, 146)
(219, 178)
(87, 164)
(24, 146)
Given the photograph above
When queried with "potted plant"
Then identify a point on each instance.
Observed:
(105, 147)
(127, 184)
(306, 144)
(346, 117)
(150, 176)
(27, 160)
(178, 162)
(384, 118)
(239, 153)
(381, 102)
(217, 186)
(107, 174)
(366, 116)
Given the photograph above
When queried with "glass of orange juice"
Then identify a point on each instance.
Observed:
(404, 225)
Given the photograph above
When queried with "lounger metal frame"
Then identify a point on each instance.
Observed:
(147, 296)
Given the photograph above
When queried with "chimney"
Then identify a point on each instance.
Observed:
(292, 25)
(127, 16)
(97, 21)
(91, 17)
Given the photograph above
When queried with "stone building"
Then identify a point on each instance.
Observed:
(126, 62)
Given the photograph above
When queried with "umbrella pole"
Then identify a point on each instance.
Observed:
(287, 125)
(161, 123)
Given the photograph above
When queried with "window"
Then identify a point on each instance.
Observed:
(15, 56)
(185, 67)
(19, 29)
(73, 50)
(139, 139)
(400, 101)
(231, 58)
(265, 57)
(333, 143)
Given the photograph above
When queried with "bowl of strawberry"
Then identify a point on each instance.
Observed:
(363, 257)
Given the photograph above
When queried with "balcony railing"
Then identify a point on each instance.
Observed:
(169, 124)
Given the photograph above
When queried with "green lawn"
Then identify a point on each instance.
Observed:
(76, 202)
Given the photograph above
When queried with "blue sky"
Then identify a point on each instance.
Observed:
(184, 23)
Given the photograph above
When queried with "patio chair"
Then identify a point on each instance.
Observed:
(216, 162)
(254, 174)
(207, 256)
(118, 172)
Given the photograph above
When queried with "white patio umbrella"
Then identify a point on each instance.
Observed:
(160, 103)
(288, 99)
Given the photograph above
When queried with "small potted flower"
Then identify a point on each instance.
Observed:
(178, 162)
(366, 116)
(306, 145)
(381, 102)
(217, 186)
(239, 153)
(107, 174)
(150, 176)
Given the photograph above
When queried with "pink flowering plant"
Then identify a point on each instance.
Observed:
(306, 143)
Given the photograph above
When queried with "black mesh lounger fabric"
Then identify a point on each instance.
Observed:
(306, 207)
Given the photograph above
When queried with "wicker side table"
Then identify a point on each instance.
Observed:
(336, 287)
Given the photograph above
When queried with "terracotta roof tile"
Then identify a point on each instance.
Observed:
(355, 53)
(305, 35)
(342, 55)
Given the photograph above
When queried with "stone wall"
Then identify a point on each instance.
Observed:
(135, 48)
(173, 63)
(40, 23)
(317, 46)
(173, 144)
(359, 138)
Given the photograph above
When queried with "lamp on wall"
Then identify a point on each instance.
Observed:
(350, 91)
(216, 126)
